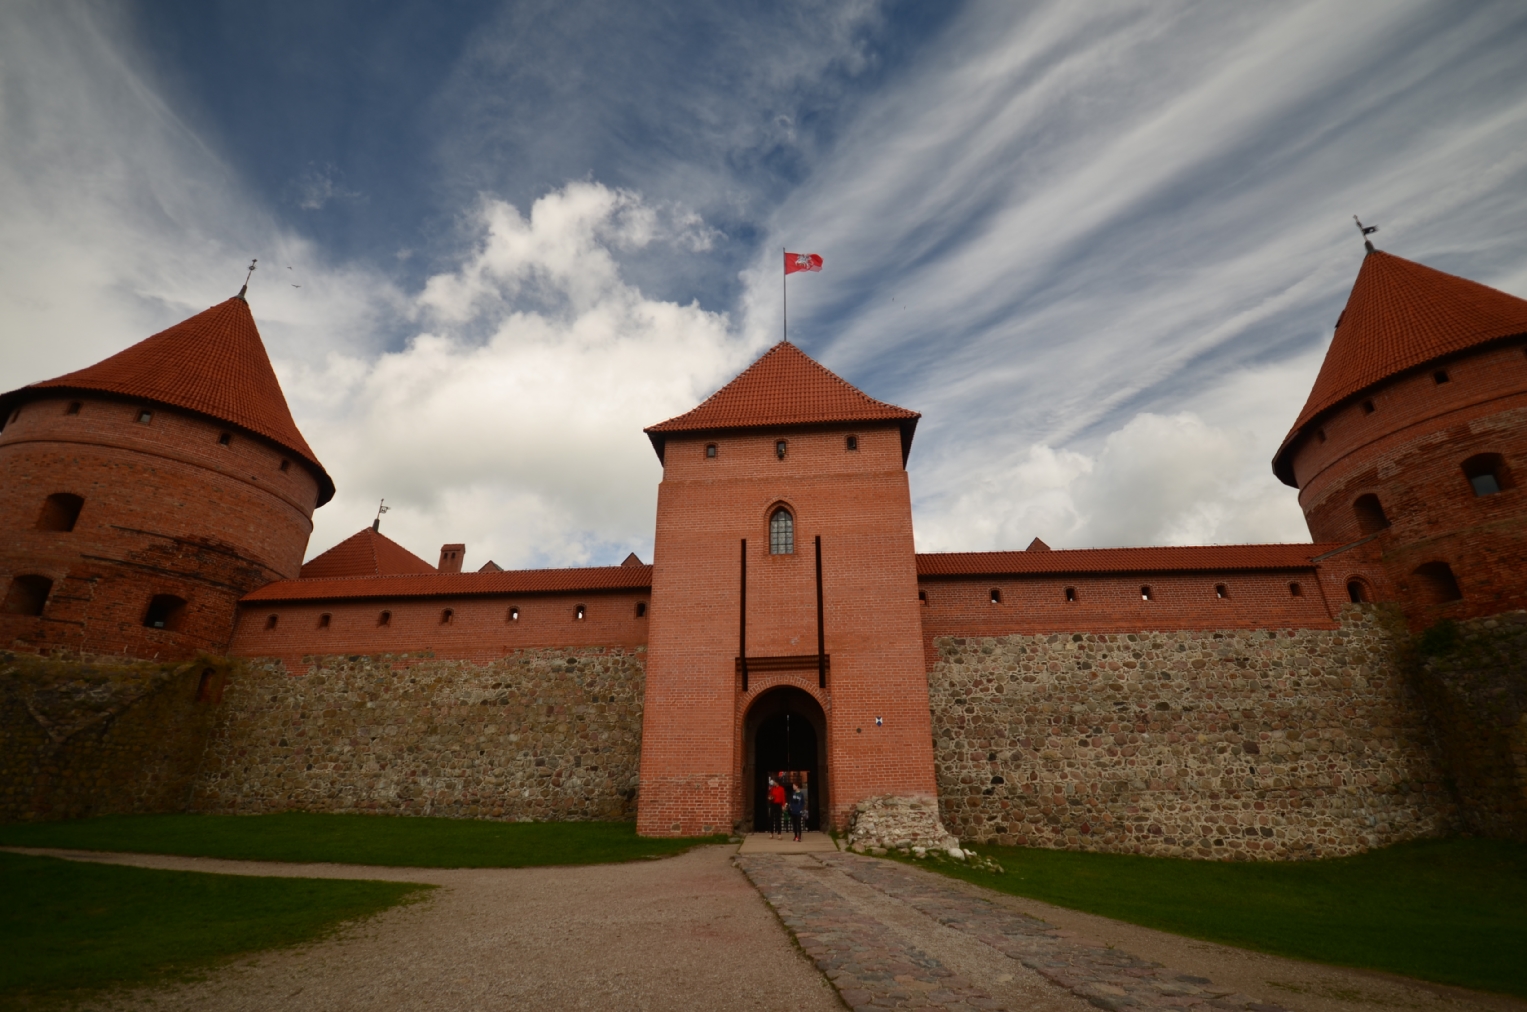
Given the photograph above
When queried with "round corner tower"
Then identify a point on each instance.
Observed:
(141, 497)
(1412, 447)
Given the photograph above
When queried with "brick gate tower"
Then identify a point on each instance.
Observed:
(1412, 447)
(141, 497)
(784, 584)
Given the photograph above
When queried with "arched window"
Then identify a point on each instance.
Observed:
(1370, 514)
(580, 613)
(384, 619)
(1487, 473)
(514, 614)
(60, 511)
(27, 594)
(996, 596)
(1071, 594)
(1438, 585)
(447, 616)
(270, 622)
(324, 620)
(165, 612)
(782, 533)
(1357, 591)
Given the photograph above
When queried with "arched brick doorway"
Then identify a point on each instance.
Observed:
(785, 729)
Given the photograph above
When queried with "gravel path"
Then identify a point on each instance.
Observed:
(686, 932)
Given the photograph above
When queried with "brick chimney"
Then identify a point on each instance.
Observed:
(450, 558)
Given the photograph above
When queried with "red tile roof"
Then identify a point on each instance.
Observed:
(512, 581)
(365, 553)
(1057, 562)
(1400, 316)
(785, 387)
(214, 364)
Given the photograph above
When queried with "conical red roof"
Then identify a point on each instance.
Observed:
(1400, 316)
(214, 364)
(366, 553)
(785, 387)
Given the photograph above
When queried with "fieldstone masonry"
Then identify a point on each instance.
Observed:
(1260, 744)
(893, 823)
(538, 734)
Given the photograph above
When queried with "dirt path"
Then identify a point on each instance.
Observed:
(682, 933)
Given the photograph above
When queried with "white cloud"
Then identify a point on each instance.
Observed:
(513, 422)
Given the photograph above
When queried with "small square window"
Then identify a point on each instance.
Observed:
(323, 620)
(225, 439)
(286, 465)
(1368, 407)
(710, 451)
(1440, 377)
(1294, 590)
(384, 619)
(1145, 594)
(641, 609)
(514, 614)
(996, 596)
(852, 443)
(144, 417)
(1320, 434)
(270, 622)
(73, 408)
(1221, 592)
(922, 595)
(1071, 594)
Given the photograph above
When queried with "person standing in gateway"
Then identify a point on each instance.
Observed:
(797, 807)
(776, 810)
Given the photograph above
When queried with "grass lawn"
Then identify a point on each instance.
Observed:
(1451, 911)
(67, 928)
(356, 839)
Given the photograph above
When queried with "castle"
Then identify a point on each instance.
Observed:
(1214, 701)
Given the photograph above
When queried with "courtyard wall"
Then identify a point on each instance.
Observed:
(1218, 744)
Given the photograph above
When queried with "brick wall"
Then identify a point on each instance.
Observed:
(1473, 679)
(168, 509)
(1408, 450)
(544, 734)
(858, 502)
(83, 736)
(1234, 743)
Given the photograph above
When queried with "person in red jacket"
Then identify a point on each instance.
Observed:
(776, 810)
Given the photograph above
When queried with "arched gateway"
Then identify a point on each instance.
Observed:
(785, 730)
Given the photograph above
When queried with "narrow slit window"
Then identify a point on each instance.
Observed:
(323, 620)
(206, 686)
(922, 595)
(447, 616)
(779, 449)
(286, 465)
(1145, 593)
(225, 439)
(710, 451)
(641, 609)
(782, 533)
(1294, 590)
(995, 595)
(1221, 592)
(580, 613)
(851, 443)
(1071, 594)
(384, 619)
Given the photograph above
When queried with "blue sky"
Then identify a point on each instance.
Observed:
(1100, 246)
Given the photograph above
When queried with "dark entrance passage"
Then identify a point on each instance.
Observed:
(786, 732)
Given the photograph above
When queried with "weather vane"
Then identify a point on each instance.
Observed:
(381, 508)
(1366, 230)
(247, 277)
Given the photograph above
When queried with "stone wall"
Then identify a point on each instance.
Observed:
(1473, 679)
(539, 734)
(82, 736)
(1262, 744)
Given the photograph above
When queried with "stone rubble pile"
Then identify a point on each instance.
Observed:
(891, 823)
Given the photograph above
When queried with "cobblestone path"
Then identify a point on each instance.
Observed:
(891, 936)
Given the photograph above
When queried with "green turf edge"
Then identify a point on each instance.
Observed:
(383, 840)
(1468, 932)
(73, 931)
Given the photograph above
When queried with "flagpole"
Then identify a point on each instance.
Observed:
(784, 293)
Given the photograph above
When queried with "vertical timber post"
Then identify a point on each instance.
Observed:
(821, 634)
(742, 620)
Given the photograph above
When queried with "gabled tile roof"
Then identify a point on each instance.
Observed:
(510, 581)
(365, 553)
(785, 387)
(1400, 316)
(213, 364)
(1059, 562)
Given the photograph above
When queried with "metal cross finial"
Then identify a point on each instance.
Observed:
(381, 508)
(248, 276)
(1366, 231)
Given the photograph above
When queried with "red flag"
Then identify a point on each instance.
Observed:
(802, 262)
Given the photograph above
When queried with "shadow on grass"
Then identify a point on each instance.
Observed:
(403, 841)
(70, 928)
(1450, 911)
